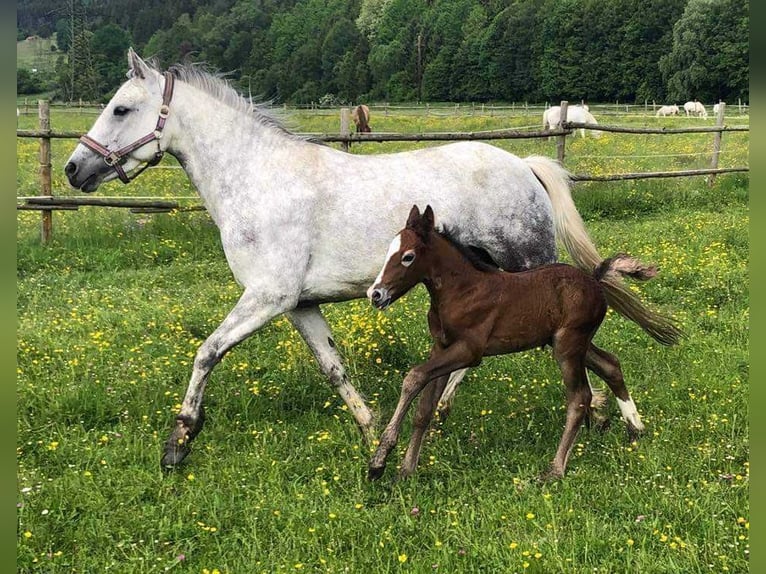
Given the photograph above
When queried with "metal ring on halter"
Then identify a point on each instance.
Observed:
(112, 159)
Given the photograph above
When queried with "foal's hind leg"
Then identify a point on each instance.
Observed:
(607, 366)
(312, 326)
(570, 355)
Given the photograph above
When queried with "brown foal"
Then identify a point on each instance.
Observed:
(478, 310)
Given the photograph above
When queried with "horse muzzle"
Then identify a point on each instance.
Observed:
(86, 179)
(379, 297)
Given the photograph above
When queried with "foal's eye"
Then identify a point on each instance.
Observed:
(408, 258)
(121, 111)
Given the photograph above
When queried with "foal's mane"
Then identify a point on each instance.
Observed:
(218, 86)
(480, 260)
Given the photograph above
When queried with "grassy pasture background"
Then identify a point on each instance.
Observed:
(111, 313)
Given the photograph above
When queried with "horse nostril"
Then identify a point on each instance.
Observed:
(70, 169)
(377, 295)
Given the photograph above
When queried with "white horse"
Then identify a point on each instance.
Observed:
(695, 108)
(667, 111)
(296, 231)
(552, 118)
(716, 108)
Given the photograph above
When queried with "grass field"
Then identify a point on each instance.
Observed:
(111, 312)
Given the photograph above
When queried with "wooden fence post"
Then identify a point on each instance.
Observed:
(561, 140)
(43, 110)
(716, 143)
(345, 126)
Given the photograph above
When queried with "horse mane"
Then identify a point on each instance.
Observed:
(217, 85)
(479, 259)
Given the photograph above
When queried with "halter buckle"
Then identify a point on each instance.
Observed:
(164, 111)
(112, 159)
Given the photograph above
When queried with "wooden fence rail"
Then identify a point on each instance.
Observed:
(45, 202)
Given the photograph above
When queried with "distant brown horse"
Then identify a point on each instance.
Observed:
(478, 310)
(361, 117)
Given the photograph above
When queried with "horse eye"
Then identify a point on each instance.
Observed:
(408, 258)
(121, 111)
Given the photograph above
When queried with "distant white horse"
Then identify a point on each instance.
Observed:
(716, 107)
(297, 231)
(668, 111)
(695, 108)
(552, 117)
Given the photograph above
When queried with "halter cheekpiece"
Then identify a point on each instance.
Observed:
(117, 158)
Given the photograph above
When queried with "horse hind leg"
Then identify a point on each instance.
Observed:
(444, 404)
(607, 366)
(571, 361)
(313, 328)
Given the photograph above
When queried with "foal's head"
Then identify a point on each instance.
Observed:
(405, 261)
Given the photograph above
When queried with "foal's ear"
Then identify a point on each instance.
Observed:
(428, 218)
(137, 67)
(413, 219)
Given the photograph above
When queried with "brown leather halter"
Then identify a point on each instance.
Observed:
(115, 159)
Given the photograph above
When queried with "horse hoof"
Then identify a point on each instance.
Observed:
(375, 473)
(442, 414)
(550, 475)
(603, 424)
(173, 456)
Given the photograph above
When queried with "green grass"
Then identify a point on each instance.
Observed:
(111, 313)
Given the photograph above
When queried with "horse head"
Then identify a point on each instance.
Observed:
(405, 261)
(129, 130)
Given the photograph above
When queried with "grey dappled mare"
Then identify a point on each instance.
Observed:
(303, 223)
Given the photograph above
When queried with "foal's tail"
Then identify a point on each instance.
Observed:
(570, 230)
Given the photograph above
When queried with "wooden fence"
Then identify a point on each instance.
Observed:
(46, 202)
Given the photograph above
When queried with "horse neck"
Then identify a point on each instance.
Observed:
(215, 142)
(448, 272)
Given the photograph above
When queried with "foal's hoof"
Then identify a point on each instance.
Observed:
(374, 473)
(633, 433)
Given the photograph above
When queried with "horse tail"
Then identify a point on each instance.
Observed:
(570, 231)
(624, 264)
(660, 327)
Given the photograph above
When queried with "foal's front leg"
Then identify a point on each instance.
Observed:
(441, 363)
(250, 313)
(423, 415)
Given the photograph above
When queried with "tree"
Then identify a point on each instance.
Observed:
(709, 58)
(27, 82)
(108, 47)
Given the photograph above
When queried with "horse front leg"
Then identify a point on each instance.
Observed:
(441, 362)
(250, 313)
(422, 419)
(312, 326)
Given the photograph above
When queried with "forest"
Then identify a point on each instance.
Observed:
(344, 51)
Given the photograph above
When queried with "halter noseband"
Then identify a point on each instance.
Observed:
(115, 159)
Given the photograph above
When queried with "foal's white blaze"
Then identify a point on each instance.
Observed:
(630, 413)
(393, 249)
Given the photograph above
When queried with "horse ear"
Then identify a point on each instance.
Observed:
(414, 217)
(138, 68)
(428, 218)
